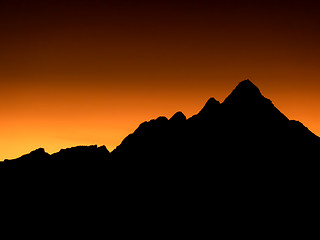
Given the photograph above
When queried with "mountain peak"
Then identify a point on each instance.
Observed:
(212, 103)
(246, 82)
(178, 116)
(210, 108)
(245, 91)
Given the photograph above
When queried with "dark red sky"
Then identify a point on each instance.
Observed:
(88, 72)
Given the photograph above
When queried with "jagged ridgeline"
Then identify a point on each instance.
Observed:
(240, 162)
(245, 126)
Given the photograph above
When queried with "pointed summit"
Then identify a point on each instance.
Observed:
(247, 101)
(178, 116)
(246, 91)
(210, 105)
(210, 109)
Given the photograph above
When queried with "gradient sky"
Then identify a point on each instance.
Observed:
(89, 72)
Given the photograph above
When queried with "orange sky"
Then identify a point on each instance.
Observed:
(89, 72)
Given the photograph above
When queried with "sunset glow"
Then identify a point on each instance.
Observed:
(89, 72)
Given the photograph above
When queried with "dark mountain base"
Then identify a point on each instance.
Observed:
(239, 167)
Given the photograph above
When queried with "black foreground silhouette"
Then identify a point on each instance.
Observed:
(245, 127)
(241, 158)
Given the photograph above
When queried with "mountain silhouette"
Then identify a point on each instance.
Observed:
(246, 125)
(240, 162)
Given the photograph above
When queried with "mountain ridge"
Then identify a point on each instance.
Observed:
(237, 160)
(245, 107)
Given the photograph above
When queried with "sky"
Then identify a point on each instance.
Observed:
(89, 72)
